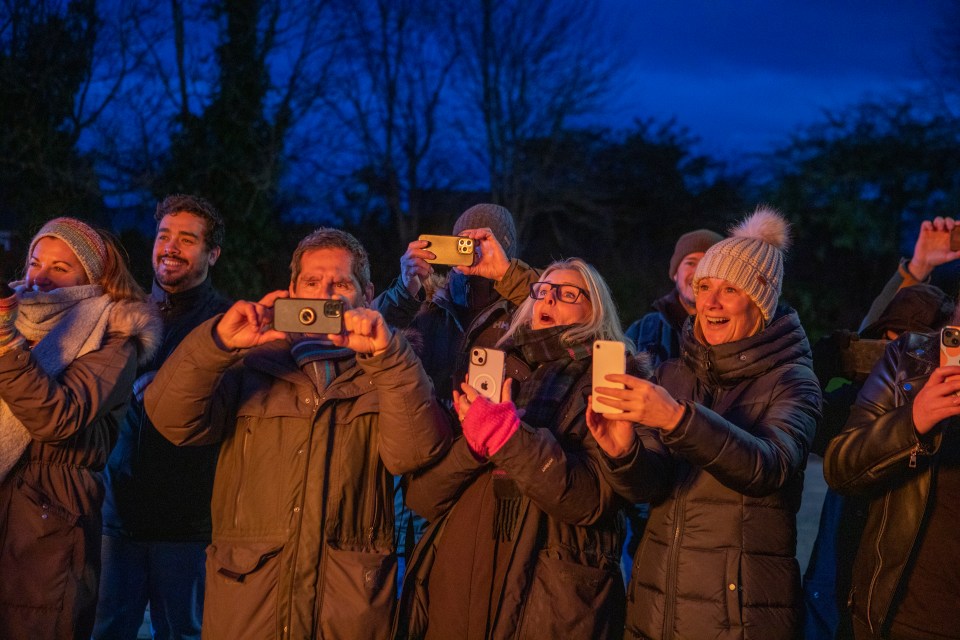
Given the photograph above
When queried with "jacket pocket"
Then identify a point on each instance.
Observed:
(569, 600)
(241, 590)
(43, 548)
(358, 595)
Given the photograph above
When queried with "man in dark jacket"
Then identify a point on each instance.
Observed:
(842, 358)
(451, 312)
(310, 428)
(658, 332)
(447, 315)
(900, 450)
(156, 514)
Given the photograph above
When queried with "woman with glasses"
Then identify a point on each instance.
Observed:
(524, 537)
(737, 413)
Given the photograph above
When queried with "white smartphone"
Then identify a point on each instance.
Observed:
(486, 371)
(950, 346)
(609, 356)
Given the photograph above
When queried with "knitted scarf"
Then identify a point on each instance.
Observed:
(556, 369)
(62, 325)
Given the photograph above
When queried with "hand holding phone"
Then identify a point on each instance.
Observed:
(609, 356)
(950, 346)
(486, 372)
(451, 250)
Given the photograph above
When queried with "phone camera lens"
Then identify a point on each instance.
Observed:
(331, 309)
(307, 316)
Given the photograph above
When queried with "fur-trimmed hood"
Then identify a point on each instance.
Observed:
(140, 321)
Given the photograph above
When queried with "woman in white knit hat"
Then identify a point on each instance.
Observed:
(70, 335)
(737, 413)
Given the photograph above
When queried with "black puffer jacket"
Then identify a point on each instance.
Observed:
(717, 558)
(878, 454)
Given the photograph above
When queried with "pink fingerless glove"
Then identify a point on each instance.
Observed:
(488, 425)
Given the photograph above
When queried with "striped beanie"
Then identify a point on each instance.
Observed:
(751, 258)
(82, 239)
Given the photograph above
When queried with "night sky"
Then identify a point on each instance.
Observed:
(741, 74)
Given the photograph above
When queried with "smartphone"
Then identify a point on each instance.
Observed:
(609, 356)
(452, 250)
(305, 315)
(955, 238)
(950, 346)
(486, 372)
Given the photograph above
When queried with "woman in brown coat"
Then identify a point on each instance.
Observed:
(70, 336)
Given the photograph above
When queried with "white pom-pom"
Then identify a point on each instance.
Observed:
(767, 224)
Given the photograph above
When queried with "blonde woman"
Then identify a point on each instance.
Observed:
(70, 337)
(525, 535)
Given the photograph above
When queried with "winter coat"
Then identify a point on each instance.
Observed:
(441, 330)
(50, 502)
(718, 555)
(879, 455)
(658, 332)
(561, 579)
(157, 491)
(303, 539)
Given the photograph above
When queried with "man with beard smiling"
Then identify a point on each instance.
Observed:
(156, 514)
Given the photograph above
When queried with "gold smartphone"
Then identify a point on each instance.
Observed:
(452, 250)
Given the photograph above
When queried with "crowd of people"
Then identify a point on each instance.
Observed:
(179, 451)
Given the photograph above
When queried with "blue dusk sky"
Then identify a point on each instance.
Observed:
(743, 74)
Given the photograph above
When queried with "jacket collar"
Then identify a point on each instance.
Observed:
(672, 309)
(176, 304)
(274, 359)
(780, 342)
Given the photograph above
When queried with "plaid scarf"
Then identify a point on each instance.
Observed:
(556, 368)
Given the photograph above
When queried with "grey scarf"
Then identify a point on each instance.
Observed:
(62, 325)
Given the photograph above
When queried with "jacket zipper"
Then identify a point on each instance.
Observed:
(919, 448)
(678, 523)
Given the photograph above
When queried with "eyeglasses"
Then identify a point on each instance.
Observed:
(568, 293)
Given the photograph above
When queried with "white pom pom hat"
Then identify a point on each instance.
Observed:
(751, 258)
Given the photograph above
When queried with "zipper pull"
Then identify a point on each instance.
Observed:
(913, 457)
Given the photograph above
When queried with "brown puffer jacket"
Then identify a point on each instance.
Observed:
(717, 558)
(50, 501)
(302, 510)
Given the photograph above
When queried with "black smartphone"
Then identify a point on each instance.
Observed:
(452, 250)
(304, 315)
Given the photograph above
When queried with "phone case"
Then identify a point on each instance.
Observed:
(950, 346)
(306, 315)
(486, 371)
(452, 250)
(608, 357)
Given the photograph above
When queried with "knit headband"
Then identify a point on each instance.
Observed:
(82, 239)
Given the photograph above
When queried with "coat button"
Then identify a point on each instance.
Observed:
(307, 400)
(732, 587)
(296, 509)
